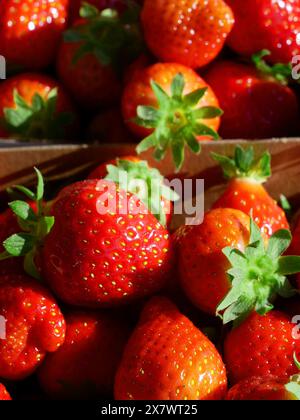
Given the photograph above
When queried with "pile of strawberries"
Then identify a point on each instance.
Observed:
(98, 297)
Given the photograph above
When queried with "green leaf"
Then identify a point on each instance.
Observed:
(278, 243)
(23, 210)
(178, 154)
(27, 192)
(30, 266)
(40, 185)
(160, 94)
(177, 86)
(146, 144)
(19, 244)
(204, 130)
(193, 143)
(148, 114)
(255, 233)
(88, 11)
(207, 112)
(289, 265)
(192, 99)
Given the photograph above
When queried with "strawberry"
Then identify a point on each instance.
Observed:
(34, 326)
(85, 365)
(168, 103)
(108, 127)
(27, 26)
(202, 264)
(92, 53)
(257, 103)
(168, 358)
(35, 106)
(127, 171)
(262, 346)
(266, 24)
(245, 191)
(4, 395)
(190, 32)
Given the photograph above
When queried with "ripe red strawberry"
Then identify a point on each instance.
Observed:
(35, 106)
(4, 395)
(202, 264)
(266, 388)
(85, 365)
(170, 104)
(266, 24)
(30, 31)
(245, 191)
(255, 104)
(91, 55)
(138, 170)
(168, 358)
(262, 346)
(34, 326)
(188, 32)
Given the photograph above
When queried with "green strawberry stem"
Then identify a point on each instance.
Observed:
(293, 386)
(129, 176)
(38, 120)
(112, 38)
(35, 227)
(257, 275)
(244, 164)
(177, 121)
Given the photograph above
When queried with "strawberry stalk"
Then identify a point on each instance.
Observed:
(281, 72)
(145, 182)
(35, 227)
(258, 275)
(177, 121)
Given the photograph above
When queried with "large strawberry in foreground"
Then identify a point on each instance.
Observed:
(30, 31)
(186, 31)
(168, 358)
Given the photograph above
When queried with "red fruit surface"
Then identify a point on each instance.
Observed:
(262, 346)
(255, 106)
(34, 326)
(4, 395)
(30, 31)
(139, 92)
(94, 260)
(253, 199)
(86, 363)
(168, 358)
(266, 24)
(191, 32)
(260, 389)
(202, 264)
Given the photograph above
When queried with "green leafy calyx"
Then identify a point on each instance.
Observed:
(112, 37)
(176, 122)
(244, 164)
(281, 72)
(34, 225)
(145, 182)
(38, 120)
(257, 275)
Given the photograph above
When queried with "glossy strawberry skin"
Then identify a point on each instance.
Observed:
(254, 105)
(250, 196)
(4, 395)
(93, 260)
(27, 85)
(139, 92)
(268, 388)
(34, 326)
(27, 27)
(188, 32)
(86, 363)
(91, 84)
(266, 24)
(262, 346)
(202, 264)
(167, 357)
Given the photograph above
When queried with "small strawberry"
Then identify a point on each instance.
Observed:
(190, 32)
(257, 103)
(262, 346)
(168, 358)
(85, 365)
(4, 395)
(34, 106)
(245, 191)
(269, 24)
(30, 31)
(34, 326)
(100, 245)
(202, 264)
(93, 52)
(261, 388)
(129, 172)
(168, 103)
